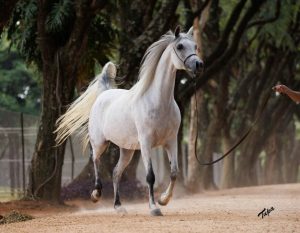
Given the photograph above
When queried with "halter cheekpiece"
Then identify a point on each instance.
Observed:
(181, 59)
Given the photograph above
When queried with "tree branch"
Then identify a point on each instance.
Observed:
(138, 40)
(198, 12)
(149, 12)
(269, 20)
(223, 60)
(222, 45)
(44, 41)
(159, 23)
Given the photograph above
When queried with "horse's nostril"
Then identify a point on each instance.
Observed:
(199, 65)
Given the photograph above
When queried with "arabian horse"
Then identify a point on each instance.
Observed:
(141, 118)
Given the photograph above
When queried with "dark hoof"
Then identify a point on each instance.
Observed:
(156, 212)
(95, 196)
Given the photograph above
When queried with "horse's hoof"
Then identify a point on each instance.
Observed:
(156, 212)
(95, 196)
(164, 199)
(121, 210)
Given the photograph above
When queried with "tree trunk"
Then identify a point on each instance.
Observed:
(287, 138)
(193, 173)
(197, 102)
(246, 173)
(227, 178)
(275, 111)
(273, 164)
(47, 161)
(59, 68)
(292, 164)
(211, 143)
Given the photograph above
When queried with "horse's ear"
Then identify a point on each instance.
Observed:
(190, 32)
(177, 31)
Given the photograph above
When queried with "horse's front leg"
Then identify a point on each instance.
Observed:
(171, 148)
(150, 178)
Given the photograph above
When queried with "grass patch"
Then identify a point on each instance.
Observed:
(14, 216)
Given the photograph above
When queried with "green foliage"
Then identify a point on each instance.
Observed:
(19, 86)
(60, 15)
(22, 31)
(226, 7)
(60, 20)
(276, 33)
(102, 38)
(101, 43)
(19, 91)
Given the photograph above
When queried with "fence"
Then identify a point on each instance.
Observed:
(17, 140)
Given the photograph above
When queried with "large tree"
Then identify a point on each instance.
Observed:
(60, 63)
(55, 36)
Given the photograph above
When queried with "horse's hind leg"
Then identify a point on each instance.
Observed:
(171, 149)
(96, 152)
(124, 160)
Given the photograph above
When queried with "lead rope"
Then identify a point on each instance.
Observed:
(245, 135)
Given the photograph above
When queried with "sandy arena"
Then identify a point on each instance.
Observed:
(233, 210)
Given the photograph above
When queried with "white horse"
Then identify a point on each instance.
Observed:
(144, 117)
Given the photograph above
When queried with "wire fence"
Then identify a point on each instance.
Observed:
(18, 133)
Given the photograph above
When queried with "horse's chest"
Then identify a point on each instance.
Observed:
(161, 123)
(163, 119)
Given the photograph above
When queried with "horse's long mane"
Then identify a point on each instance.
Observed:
(149, 63)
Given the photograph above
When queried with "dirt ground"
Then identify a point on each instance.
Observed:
(233, 210)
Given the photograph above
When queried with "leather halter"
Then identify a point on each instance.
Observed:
(183, 60)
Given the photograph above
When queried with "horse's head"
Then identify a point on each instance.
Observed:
(184, 55)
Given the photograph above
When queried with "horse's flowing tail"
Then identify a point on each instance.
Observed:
(77, 116)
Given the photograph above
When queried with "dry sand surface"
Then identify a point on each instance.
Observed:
(233, 210)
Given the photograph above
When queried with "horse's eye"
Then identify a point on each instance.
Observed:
(180, 46)
(195, 47)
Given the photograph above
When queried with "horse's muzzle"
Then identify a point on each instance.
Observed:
(195, 65)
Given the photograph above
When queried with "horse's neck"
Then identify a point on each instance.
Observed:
(161, 90)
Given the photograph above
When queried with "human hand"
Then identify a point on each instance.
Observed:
(281, 88)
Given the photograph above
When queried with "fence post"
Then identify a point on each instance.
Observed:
(23, 151)
(73, 158)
